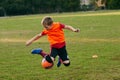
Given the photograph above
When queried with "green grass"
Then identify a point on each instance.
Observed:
(100, 35)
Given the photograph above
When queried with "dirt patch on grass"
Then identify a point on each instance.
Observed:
(98, 40)
(12, 40)
(72, 40)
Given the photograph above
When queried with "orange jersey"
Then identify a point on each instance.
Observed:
(55, 34)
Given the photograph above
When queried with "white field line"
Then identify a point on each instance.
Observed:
(71, 40)
(70, 15)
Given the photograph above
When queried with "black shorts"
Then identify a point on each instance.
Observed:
(61, 52)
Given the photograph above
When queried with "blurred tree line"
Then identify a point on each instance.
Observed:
(21, 7)
(113, 4)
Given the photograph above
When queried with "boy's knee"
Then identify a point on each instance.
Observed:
(66, 63)
(49, 58)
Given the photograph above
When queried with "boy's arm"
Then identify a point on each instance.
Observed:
(71, 28)
(33, 39)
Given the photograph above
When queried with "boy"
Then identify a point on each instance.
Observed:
(57, 41)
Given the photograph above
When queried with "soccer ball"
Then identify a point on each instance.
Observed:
(45, 64)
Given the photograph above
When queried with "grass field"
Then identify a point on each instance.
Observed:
(100, 35)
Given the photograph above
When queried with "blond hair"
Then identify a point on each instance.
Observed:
(47, 21)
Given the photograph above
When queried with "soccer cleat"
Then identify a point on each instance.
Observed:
(59, 62)
(36, 51)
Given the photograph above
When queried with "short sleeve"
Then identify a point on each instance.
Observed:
(43, 32)
(62, 25)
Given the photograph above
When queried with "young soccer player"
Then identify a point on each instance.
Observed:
(55, 34)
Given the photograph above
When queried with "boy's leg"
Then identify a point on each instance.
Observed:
(38, 51)
(59, 62)
(51, 57)
(66, 63)
(63, 55)
(53, 53)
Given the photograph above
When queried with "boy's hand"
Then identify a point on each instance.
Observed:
(28, 43)
(77, 30)
(71, 28)
(33, 39)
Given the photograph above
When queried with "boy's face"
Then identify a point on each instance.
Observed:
(47, 27)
